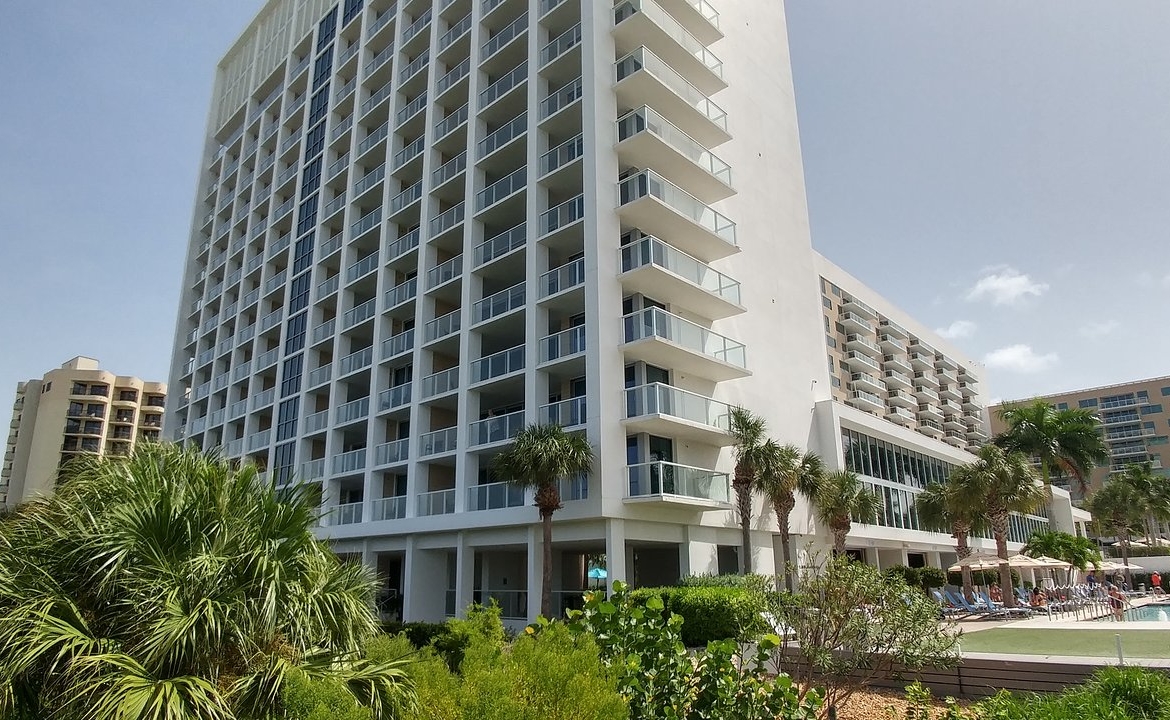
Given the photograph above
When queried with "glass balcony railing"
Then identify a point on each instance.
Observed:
(394, 397)
(562, 155)
(258, 441)
(401, 293)
(563, 215)
(661, 399)
(403, 245)
(349, 462)
(494, 496)
(643, 59)
(560, 45)
(317, 422)
(391, 508)
(353, 410)
(646, 120)
(499, 303)
(567, 276)
(561, 98)
(450, 169)
(567, 413)
(313, 469)
(324, 331)
(650, 184)
(346, 514)
(416, 27)
(439, 441)
(377, 98)
(441, 326)
(436, 502)
(665, 478)
(498, 364)
(410, 151)
(444, 272)
(359, 314)
(411, 109)
(511, 183)
(407, 197)
(399, 344)
(672, 27)
(453, 76)
(392, 453)
(362, 267)
(380, 59)
(562, 344)
(651, 251)
(501, 244)
(453, 120)
(495, 429)
(660, 324)
(374, 137)
(500, 87)
(371, 179)
(506, 35)
(359, 360)
(414, 67)
(441, 382)
(503, 135)
(456, 31)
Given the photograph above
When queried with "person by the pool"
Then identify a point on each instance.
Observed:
(1117, 602)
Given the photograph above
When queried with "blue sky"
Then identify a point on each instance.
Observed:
(999, 169)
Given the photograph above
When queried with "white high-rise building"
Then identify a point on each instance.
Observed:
(422, 225)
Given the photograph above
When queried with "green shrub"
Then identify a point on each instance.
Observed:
(1136, 552)
(931, 577)
(711, 613)
(1140, 693)
(1112, 694)
(307, 698)
(981, 577)
(752, 581)
(448, 641)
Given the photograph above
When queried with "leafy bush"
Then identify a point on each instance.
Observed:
(931, 577)
(448, 640)
(1159, 551)
(1140, 693)
(550, 675)
(307, 698)
(1112, 694)
(711, 613)
(980, 577)
(759, 583)
(1140, 578)
(657, 677)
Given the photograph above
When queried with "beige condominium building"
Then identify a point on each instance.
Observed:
(77, 408)
(1135, 418)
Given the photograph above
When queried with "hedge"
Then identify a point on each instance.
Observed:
(924, 578)
(1136, 552)
(446, 641)
(710, 613)
(981, 577)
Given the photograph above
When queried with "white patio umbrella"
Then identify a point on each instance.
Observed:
(976, 561)
(1025, 562)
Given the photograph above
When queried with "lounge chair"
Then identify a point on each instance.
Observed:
(948, 608)
(958, 600)
(998, 610)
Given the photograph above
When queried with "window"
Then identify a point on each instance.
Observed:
(315, 141)
(307, 215)
(1159, 440)
(836, 381)
(323, 67)
(102, 390)
(830, 364)
(1143, 396)
(298, 298)
(156, 401)
(76, 409)
(291, 377)
(831, 341)
(1062, 406)
(1166, 391)
(128, 395)
(326, 29)
(49, 386)
(352, 8)
(77, 389)
(826, 302)
(1152, 410)
(95, 410)
(282, 461)
(286, 424)
(311, 178)
(836, 290)
(319, 105)
(295, 334)
(303, 252)
(1089, 403)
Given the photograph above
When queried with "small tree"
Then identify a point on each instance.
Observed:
(1080, 552)
(955, 505)
(540, 457)
(1117, 507)
(840, 498)
(786, 471)
(851, 624)
(752, 450)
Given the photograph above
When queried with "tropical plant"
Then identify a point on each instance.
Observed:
(785, 472)
(752, 450)
(1154, 491)
(1118, 508)
(1078, 551)
(840, 498)
(168, 584)
(539, 458)
(1010, 485)
(850, 623)
(955, 505)
(1067, 442)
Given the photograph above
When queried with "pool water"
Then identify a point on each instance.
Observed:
(1149, 613)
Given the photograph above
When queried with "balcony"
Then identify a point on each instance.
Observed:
(562, 345)
(900, 415)
(903, 399)
(859, 362)
(863, 345)
(950, 392)
(313, 469)
(976, 434)
(657, 269)
(866, 382)
(493, 430)
(566, 413)
(930, 428)
(444, 272)
(497, 365)
(646, 139)
(895, 379)
(925, 394)
(494, 496)
(678, 485)
(401, 293)
(954, 438)
(921, 362)
(855, 323)
(500, 245)
(359, 314)
(638, 22)
(497, 304)
(396, 452)
(350, 462)
(320, 376)
(437, 442)
(668, 411)
(442, 326)
(353, 411)
(660, 338)
(356, 361)
(561, 279)
(440, 383)
(645, 79)
(317, 422)
(926, 411)
(436, 502)
(346, 514)
(395, 397)
(399, 344)
(648, 201)
(866, 401)
(954, 422)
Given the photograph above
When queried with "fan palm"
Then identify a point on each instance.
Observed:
(785, 472)
(1078, 551)
(955, 504)
(540, 457)
(1066, 442)
(168, 584)
(1154, 491)
(1117, 507)
(748, 433)
(840, 498)
(1010, 485)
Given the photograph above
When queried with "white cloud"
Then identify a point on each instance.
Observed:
(1096, 330)
(1005, 286)
(958, 329)
(1020, 358)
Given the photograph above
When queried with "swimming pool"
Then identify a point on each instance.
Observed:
(1158, 612)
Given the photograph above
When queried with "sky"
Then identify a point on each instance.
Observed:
(999, 169)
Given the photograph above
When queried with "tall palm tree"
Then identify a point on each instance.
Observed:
(168, 584)
(1067, 442)
(1076, 550)
(785, 472)
(1010, 485)
(1117, 507)
(840, 498)
(540, 457)
(955, 505)
(749, 434)
(1154, 491)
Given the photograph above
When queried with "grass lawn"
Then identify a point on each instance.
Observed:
(1089, 643)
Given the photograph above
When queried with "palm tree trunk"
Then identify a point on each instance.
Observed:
(839, 535)
(743, 499)
(999, 526)
(783, 508)
(546, 560)
(1125, 557)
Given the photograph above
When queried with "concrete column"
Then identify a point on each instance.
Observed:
(615, 550)
(426, 584)
(464, 576)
